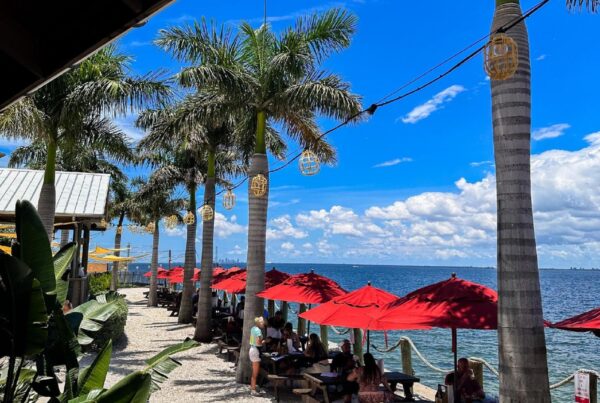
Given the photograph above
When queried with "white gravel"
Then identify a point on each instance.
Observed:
(203, 377)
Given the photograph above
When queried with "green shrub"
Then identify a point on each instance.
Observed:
(99, 283)
(114, 327)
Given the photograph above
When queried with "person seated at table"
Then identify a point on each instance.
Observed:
(289, 334)
(273, 336)
(344, 363)
(232, 329)
(369, 377)
(277, 321)
(466, 386)
(239, 309)
(315, 351)
(67, 306)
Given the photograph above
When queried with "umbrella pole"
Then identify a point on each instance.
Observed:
(284, 310)
(368, 340)
(308, 325)
(455, 351)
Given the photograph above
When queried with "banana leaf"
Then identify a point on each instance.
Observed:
(35, 249)
(25, 330)
(23, 389)
(61, 262)
(93, 377)
(134, 388)
(162, 364)
(94, 314)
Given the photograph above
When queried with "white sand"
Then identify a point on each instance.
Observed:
(203, 377)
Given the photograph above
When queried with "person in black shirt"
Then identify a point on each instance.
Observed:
(343, 363)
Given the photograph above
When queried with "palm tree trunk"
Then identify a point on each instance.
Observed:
(152, 296)
(521, 343)
(204, 316)
(185, 310)
(257, 227)
(47, 200)
(114, 281)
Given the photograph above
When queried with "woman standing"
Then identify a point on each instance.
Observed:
(256, 341)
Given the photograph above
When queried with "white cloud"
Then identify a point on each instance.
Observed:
(423, 111)
(177, 231)
(393, 162)
(282, 227)
(128, 127)
(480, 163)
(237, 250)
(550, 132)
(460, 226)
(225, 227)
(288, 246)
(540, 58)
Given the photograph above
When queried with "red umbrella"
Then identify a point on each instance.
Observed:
(584, 322)
(226, 274)
(305, 288)
(354, 309)
(178, 277)
(159, 272)
(452, 303)
(236, 284)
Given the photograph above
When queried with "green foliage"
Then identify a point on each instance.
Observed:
(94, 315)
(99, 283)
(62, 261)
(114, 327)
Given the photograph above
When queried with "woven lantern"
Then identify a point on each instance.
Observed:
(132, 228)
(501, 57)
(189, 218)
(309, 163)
(259, 185)
(104, 224)
(150, 228)
(119, 230)
(171, 222)
(206, 212)
(229, 200)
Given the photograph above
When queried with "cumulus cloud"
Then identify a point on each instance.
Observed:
(423, 111)
(550, 132)
(282, 227)
(288, 246)
(540, 58)
(460, 225)
(393, 162)
(177, 231)
(237, 250)
(480, 163)
(225, 227)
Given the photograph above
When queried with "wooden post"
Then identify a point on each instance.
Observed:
(301, 321)
(284, 311)
(358, 344)
(325, 336)
(271, 308)
(406, 355)
(593, 388)
(477, 367)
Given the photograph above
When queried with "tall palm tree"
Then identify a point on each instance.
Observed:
(120, 206)
(149, 205)
(265, 78)
(64, 110)
(521, 342)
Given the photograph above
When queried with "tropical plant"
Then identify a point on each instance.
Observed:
(151, 202)
(72, 106)
(521, 341)
(36, 336)
(264, 77)
(120, 206)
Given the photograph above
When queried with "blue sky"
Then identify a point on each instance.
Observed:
(414, 184)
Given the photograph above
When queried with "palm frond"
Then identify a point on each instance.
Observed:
(23, 120)
(591, 5)
(303, 128)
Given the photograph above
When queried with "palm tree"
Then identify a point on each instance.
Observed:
(120, 207)
(264, 78)
(65, 110)
(521, 341)
(149, 205)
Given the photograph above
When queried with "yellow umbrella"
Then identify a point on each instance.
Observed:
(5, 249)
(10, 235)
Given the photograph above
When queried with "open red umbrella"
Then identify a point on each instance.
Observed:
(353, 310)
(224, 274)
(584, 322)
(305, 288)
(452, 303)
(236, 284)
(159, 272)
(178, 277)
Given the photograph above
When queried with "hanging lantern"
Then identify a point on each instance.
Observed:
(171, 222)
(309, 163)
(132, 228)
(501, 57)
(259, 185)
(229, 200)
(189, 218)
(103, 223)
(119, 230)
(150, 228)
(206, 212)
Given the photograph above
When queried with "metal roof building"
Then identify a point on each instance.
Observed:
(79, 196)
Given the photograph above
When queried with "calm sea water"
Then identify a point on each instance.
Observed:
(564, 292)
